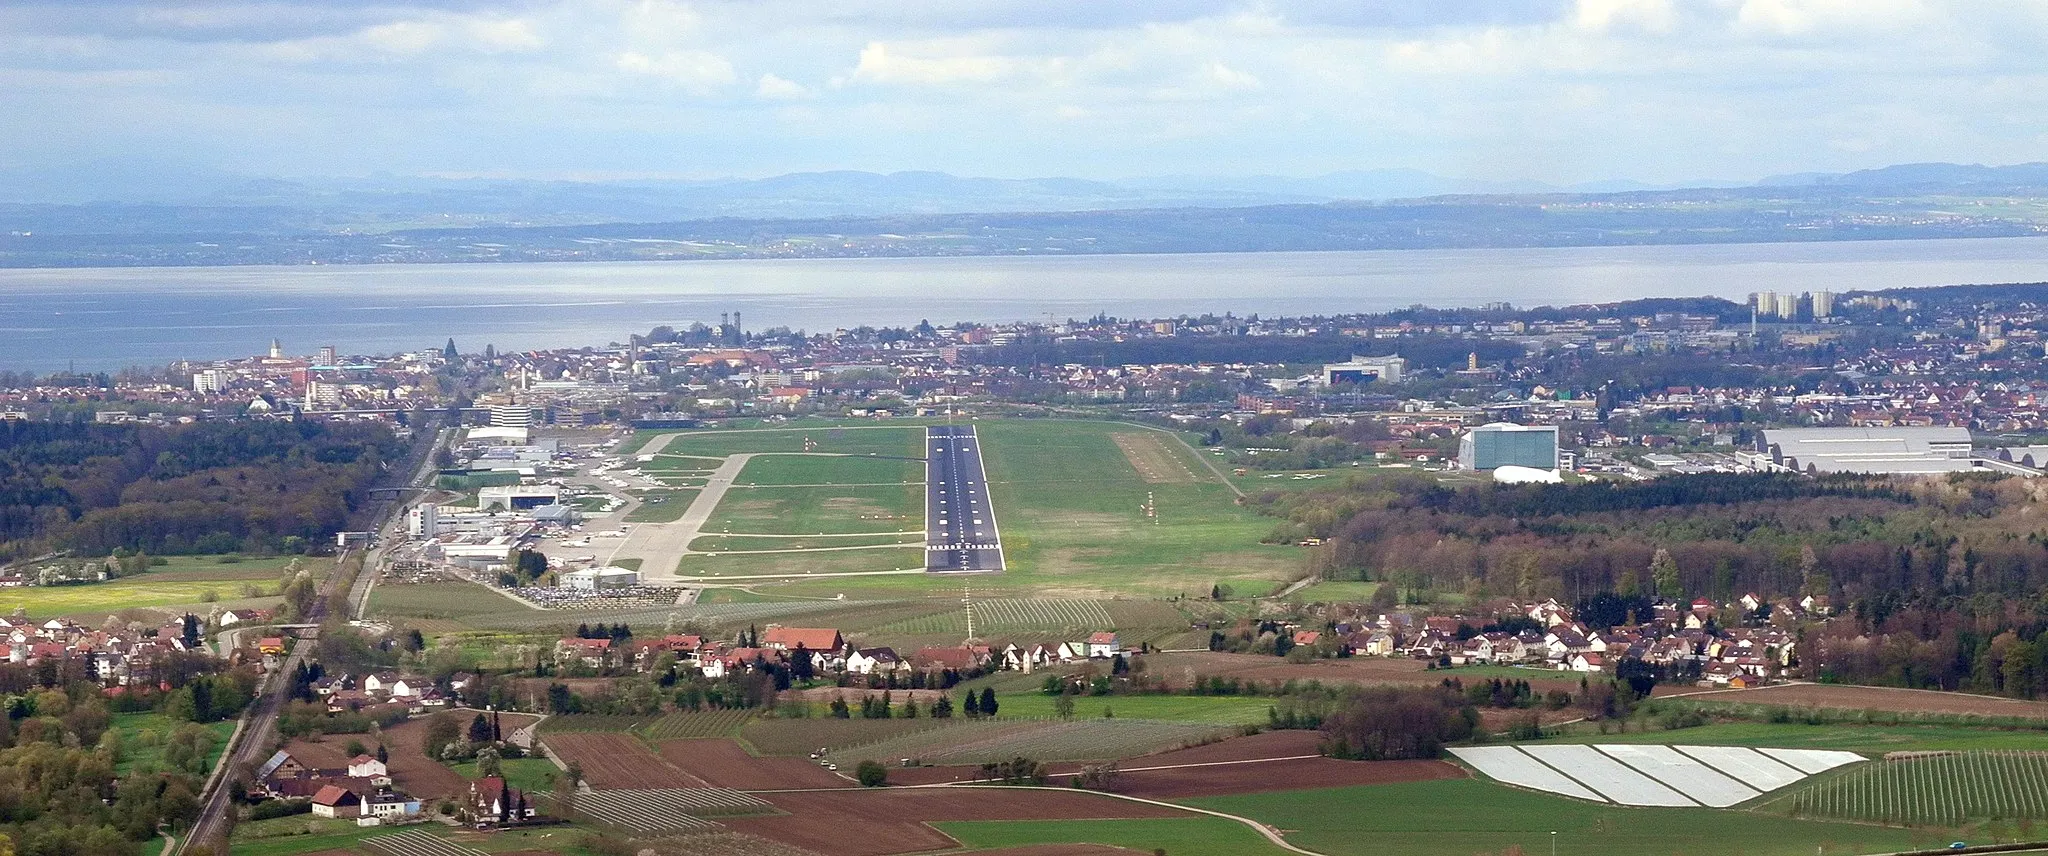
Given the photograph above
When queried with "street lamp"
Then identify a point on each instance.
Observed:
(1553, 842)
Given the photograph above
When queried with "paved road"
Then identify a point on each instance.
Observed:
(959, 520)
(662, 546)
(258, 731)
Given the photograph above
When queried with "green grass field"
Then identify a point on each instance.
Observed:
(1069, 506)
(145, 590)
(728, 543)
(818, 510)
(823, 470)
(1867, 739)
(1066, 498)
(1335, 591)
(1944, 791)
(435, 600)
(669, 510)
(1191, 836)
(143, 736)
(1461, 817)
(906, 441)
(527, 774)
(1081, 739)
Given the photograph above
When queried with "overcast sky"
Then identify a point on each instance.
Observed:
(1551, 90)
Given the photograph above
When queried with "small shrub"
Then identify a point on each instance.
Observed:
(871, 774)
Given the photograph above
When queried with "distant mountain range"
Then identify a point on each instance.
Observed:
(129, 197)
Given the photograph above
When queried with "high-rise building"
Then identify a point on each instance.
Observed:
(209, 381)
(423, 521)
(1788, 306)
(1501, 444)
(1823, 304)
(328, 357)
(322, 395)
(1765, 303)
(514, 416)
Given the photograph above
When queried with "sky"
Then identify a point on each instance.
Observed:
(1559, 91)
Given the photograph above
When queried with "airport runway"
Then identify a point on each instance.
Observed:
(960, 523)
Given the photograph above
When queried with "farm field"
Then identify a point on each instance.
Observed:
(1887, 699)
(613, 760)
(726, 764)
(450, 600)
(1865, 739)
(1220, 710)
(881, 821)
(195, 587)
(800, 737)
(1002, 739)
(1351, 670)
(1180, 836)
(1944, 791)
(1460, 817)
(1335, 591)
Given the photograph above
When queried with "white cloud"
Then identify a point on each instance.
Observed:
(1801, 17)
(878, 64)
(780, 89)
(1655, 16)
(692, 70)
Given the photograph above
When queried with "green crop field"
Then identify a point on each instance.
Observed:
(1190, 836)
(691, 725)
(1335, 591)
(1461, 817)
(1939, 791)
(141, 590)
(823, 470)
(1061, 618)
(435, 600)
(818, 510)
(1867, 739)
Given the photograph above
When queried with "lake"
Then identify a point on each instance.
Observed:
(107, 318)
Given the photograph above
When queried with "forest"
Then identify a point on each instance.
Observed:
(206, 487)
(1939, 583)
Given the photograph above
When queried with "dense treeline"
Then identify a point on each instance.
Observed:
(1940, 582)
(260, 486)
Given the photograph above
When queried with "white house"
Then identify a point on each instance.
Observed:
(1102, 645)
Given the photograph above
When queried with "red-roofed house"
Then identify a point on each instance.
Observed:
(336, 801)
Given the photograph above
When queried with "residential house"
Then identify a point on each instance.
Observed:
(336, 801)
(1102, 645)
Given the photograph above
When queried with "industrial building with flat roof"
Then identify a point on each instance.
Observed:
(1505, 444)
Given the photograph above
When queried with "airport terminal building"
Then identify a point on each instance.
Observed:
(1505, 444)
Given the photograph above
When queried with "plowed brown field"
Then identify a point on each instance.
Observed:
(726, 764)
(881, 822)
(618, 761)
